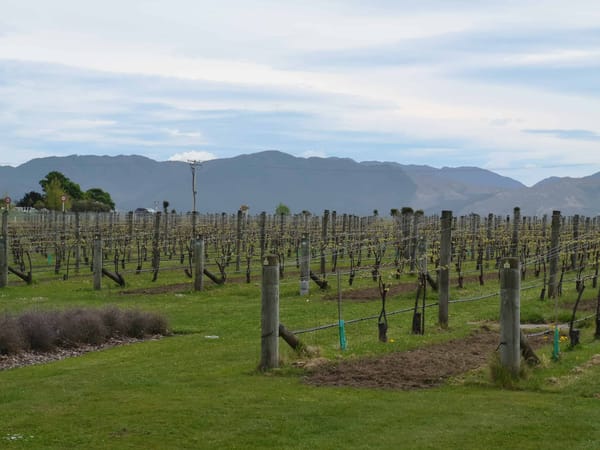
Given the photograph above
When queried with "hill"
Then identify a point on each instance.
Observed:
(263, 180)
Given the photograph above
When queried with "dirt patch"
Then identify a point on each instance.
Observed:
(164, 289)
(421, 368)
(372, 293)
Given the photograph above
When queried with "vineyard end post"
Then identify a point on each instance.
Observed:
(269, 358)
(510, 341)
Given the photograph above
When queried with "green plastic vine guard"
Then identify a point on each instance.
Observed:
(342, 335)
(555, 348)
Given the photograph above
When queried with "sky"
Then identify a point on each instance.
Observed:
(511, 86)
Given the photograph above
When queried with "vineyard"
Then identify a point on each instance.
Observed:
(551, 252)
(400, 302)
(324, 248)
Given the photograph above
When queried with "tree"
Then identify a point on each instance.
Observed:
(100, 196)
(31, 199)
(54, 192)
(166, 206)
(282, 210)
(55, 185)
(70, 188)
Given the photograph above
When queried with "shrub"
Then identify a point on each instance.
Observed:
(140, 324)
(39, 329)
(81, 326)
(156, 324)
(11, 338)
(45, 330)
(114, 321)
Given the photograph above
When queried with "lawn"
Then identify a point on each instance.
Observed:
(200, 387)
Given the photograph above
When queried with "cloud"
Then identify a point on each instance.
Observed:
(430, 82)
(196, 155)
(580, 135)
(313, 154)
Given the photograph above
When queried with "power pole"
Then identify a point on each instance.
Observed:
(193, 164)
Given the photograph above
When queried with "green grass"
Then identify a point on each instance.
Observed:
(189, 391)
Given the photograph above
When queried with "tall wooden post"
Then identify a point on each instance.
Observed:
(4, 250)
(77, 243)
(324, 239)
(194, 224)
(269, 358)
(238, 240)
(414, 240)
(575, 248)
(263, 235)
(554, 254)
(97, 263)
(111, 219)
(155, 244)
(304, 264)
(510, 299)
(199, 264)
(514, 246)
(489, 235)
(166, 231)
(444, 280)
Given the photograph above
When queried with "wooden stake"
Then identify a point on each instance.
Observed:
(4, 250)
(554, 255)
(304, 264)
(97, 263)
(444, 283)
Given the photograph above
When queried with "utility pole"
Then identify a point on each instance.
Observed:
(193, 164)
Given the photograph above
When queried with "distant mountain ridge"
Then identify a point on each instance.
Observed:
(265, 179)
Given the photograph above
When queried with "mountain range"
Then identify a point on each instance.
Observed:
(265, 179)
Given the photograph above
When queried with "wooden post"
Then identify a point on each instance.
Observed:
(4, 250)
(414, 239)
(444, 283)
(514, 246)
(166, 230)
(77, 243)
(111, 219)
(155, 245)
(269, 358)
(262, 237)
(97, 263)
(510, 299)
(238, 241)
(199, 264)
(489, 236)
(304, 264)
(194, 223)
(554, 254)
(575, 247)
(324, 238)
